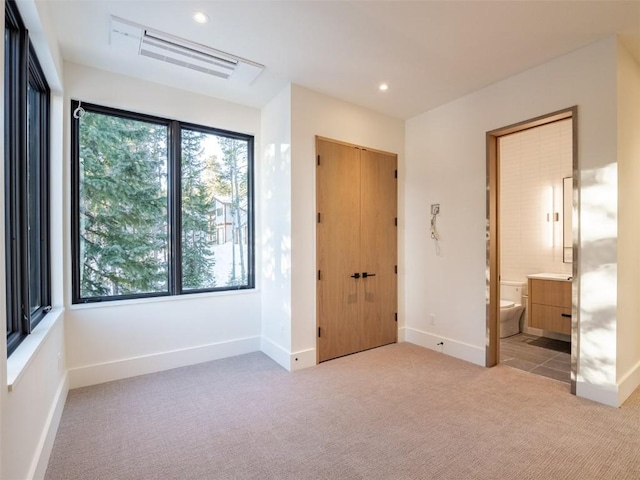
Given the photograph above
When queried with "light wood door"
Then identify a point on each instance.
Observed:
(338, 249)
(356, 196)
(378, 240)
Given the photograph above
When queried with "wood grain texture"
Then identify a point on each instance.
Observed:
(550, 318)
(356, 197)
(549, 300)
(338, 249)
(493, 255)
(551, 292)
(378, 248)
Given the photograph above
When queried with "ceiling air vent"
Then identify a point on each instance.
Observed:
(183, 53)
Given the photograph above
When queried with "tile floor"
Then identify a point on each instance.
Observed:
(552, 358)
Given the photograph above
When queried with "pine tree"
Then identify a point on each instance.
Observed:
(198, 258)
(123, 206)
(232, 171)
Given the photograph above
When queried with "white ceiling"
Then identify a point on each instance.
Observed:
(429, 52)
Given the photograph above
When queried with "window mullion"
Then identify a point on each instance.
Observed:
(175, 208)
(75, 208)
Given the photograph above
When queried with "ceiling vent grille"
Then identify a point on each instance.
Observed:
(183, 53)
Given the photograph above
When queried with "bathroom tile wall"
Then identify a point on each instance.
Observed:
(532, 166)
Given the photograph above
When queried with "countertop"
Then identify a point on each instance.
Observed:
(561, 277)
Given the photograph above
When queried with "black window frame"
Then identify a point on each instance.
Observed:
(174, 205)
(22, 203)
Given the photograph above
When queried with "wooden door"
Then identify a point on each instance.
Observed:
(356, 197)
(378, 247)
(338, 249)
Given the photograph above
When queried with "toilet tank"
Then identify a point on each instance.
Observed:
(512, 291)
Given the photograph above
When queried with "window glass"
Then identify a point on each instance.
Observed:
(34, 198)
(123, 224)
(160, 207)
(214, 178)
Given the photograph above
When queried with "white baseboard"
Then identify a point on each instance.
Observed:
(606, 394)
(131, 367)
(628, 384)
(288, 360)
(303, 359)
(461, 350)
(274, 351)
(45, 446)
(402, 334)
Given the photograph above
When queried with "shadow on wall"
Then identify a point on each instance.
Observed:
(276, 227)
(598, 276)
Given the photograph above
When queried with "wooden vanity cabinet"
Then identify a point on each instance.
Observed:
(550, 305)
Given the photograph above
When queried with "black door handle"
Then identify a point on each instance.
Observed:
(567, 315)
(365, 274)
(355, 275)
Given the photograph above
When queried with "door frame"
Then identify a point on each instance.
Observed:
(492, 340)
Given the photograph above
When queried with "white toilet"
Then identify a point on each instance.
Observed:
(511, 307)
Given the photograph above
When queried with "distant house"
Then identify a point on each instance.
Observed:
(222, 221)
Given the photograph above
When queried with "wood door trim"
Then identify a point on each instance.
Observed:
(339, 142)
(535, 122)
(492, 351)
(493, 258)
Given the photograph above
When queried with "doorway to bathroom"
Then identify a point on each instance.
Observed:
(532, 199)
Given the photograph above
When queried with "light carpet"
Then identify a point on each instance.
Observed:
(396, 412)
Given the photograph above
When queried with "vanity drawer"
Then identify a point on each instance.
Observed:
(554, 319)
(550, 292)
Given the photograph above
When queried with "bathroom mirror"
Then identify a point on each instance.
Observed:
(567, 214)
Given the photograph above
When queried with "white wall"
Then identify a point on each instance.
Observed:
(315, 114)
(275, 203)
(446, 164)
(628, 361)
(36, 18)
(31, 410)
(532, 165)
(119, 339)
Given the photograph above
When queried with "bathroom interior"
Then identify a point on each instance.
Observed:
(536, 245)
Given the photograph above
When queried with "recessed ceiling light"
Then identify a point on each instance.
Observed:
(383, 87)
(200, 17)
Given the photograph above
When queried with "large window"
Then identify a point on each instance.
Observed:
(26, 139)
(146, 197)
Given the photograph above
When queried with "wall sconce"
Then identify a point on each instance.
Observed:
(548, 199)
(553, 234)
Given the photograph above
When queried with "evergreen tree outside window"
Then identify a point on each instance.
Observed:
(214, 172)
(145, 200)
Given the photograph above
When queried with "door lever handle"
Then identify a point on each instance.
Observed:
(355, 275)
(365, 274)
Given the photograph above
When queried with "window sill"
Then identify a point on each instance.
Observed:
(21, 358)
(167, 298)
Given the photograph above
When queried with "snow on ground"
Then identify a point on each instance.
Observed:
(223, 257)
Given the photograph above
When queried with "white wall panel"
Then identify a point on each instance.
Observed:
(446, 164)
